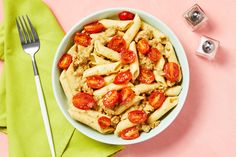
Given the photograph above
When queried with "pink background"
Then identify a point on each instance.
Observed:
(207, 124)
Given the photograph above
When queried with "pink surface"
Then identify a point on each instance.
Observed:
(207, 124)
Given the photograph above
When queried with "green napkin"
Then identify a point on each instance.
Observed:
(19, 107)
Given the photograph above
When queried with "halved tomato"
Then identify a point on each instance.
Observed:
(130, 133)
(156, 99)
(127, 56)
(104, 122)
(83, 101)
(127, 94)
(123, 77)
(82, 39)
(117, 43)
(171, 71)
(137, 116)
(126, 15)
(143, 46)
(154, 55)
(65, 61)
(146, 76)
(111, 98)
(94, 27)
(95, 81)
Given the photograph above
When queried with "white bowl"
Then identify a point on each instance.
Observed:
(61, 98)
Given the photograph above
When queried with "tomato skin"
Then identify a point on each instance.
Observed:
(95, 81)
(111, 98)
(123, 77)
(82, 39)
(137, 116)
(104, 122)
(117, 43)
(129, 133)
(83, 101)
(127, 56)
(94, 27)
(127, 94)
(143, 46)
(65, 61)
(146, 76)
(171, 71)
(156, 99)
(154, 55)
(126, 15)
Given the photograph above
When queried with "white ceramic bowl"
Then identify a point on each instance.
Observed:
(61, 98)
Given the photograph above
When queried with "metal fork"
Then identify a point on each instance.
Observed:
(31, 44)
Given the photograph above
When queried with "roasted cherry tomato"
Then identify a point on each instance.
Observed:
(127, 56)
(154, 55)
(82, 39)
(123, 77)
(104, 122)
(65, 61)
(126, 15)
(110, 99)
(117, 43)
(137, 116)
(94, 27)
(156, 99)
(146, 76)
(171, 71)
(95, 81)
(143, 46)
(83, 101)
(127, 94)
(130, 133)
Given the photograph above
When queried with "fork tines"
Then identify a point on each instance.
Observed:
(26, 30)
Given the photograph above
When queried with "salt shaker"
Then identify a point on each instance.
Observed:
(207, 47)
(195, 17)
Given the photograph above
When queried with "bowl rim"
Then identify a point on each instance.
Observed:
(185, 73)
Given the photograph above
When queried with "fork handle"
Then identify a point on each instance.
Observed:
(43, 108)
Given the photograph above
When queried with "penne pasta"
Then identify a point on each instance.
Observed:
(121, 108)
(109, 79)
(90, 118)
(143, 88)
(133, 30)
(96, 60)
(104, 69)
(117, 24)
(65, 85)
(168, 104)
(106, 52)
(173, 91)
(124, 124)
(102, 91)
(134, 67)
(160, 79)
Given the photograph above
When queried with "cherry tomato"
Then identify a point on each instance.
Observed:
(117, 43)
(83, 101)
(137, 116)
(156, 99)
(129, 133)
(171, 71)
(95, 81)
(127, 94)
(143, 46)
(146, 76)
(154, 55)
(65, 61)
(127, 56)
(82, 39)
(94, 27)
(123, 77)
(110, 99)
(104, 122)
(126, 15)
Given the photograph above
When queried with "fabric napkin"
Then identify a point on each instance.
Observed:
(19, 106)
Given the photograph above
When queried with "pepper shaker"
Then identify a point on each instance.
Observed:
(195, 17)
